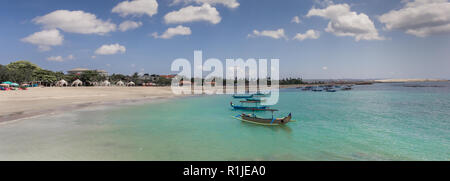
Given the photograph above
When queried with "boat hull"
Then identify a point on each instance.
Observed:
(262, 121)
(242, 97)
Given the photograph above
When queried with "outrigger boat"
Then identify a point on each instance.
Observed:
(249, 108)
(252, 118)
(260, 94)
(242, 96)
(254, 99)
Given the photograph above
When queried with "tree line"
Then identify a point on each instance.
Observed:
(26, 72)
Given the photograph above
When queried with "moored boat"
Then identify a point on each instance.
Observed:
(252, 118)
(242, 96)
(249, 108)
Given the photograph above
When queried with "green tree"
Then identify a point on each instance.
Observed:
(91, 76)
(22, 71)
(46, 77)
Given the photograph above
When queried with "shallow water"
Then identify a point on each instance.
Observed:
(375, 122)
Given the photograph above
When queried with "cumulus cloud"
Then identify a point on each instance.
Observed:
(228, 3)
(296, 20)
(193, 14)
(171, 32)
(60, 58)
(45, 39)
(344, 22)
(75, 22)
(310, 34)
(110, 49)
(275, 34)
(136, 8)
(420, 18)
(129, 25)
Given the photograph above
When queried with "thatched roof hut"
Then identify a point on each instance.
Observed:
(106, 83)
(131, 84)
(120, 83)
(77, 83)
(62, 83)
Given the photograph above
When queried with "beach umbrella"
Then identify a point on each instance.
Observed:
(9, 83)
(15, 84)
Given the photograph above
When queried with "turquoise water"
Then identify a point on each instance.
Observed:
(376, 122)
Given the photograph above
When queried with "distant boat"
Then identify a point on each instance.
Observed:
(307, 88)
(346, 88)
(242, 96)
(331, 90)
(315, 89)
(252, 118)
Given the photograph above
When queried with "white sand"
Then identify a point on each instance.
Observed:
(36, 101)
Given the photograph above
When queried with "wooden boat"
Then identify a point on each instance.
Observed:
(259, 94)
(252, 118)
(242, 96)
(254, 99)
(249, 108)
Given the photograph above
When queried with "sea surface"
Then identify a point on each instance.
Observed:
(395, 121)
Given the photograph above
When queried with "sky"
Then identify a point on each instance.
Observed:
(314, 39)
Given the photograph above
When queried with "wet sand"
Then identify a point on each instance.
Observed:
(39, 101)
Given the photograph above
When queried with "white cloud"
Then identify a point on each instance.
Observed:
(296, 20)
(310, 34)
(75, 22)
(193, 14)
(228, 3)
(420, 18)
(60, 58)
(171, 32)
(55, 59)
(275, 34)
(324, 68)
(45, 39)
(136, 8)
(70, 57)
(344, 22)
(110, 49)
(129, 25)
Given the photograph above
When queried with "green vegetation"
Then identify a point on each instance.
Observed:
(26, 72)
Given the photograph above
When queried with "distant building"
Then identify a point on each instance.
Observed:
(79, 71)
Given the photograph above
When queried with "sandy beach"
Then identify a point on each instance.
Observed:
(38, 101)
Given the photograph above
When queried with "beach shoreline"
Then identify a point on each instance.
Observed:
(19, 105)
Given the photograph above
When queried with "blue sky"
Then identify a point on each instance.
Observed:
(390, 48)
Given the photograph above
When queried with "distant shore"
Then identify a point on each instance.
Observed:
(409, 80)
(40, 101)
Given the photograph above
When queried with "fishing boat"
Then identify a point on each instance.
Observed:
(254, 99)
(346, 88)
(249, 108)
(252, 118)
(242, 96)
(260, 94)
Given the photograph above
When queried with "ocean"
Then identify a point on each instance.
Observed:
(392, 121)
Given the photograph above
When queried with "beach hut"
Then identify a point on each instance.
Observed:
(77, 83)
(129, 84)
(106, 83)
(62, 83)
(120, 83)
